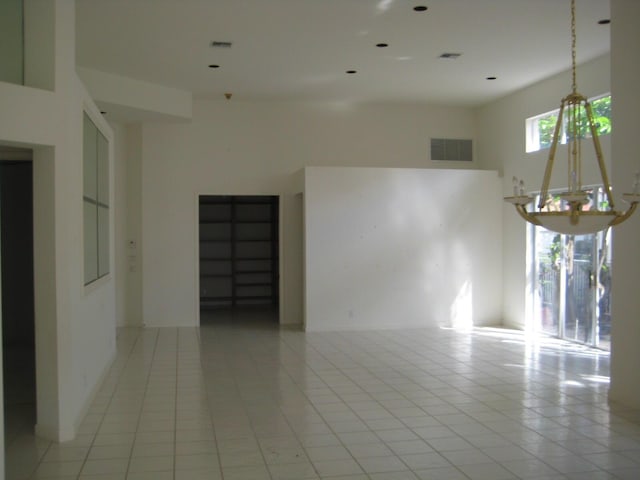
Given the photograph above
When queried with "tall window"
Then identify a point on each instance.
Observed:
(540, 128)
(95, 201)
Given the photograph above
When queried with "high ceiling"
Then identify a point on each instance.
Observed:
(302, 49)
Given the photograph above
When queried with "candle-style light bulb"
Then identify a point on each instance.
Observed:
(515, 186)
(636, 184)
(574, 181)
(521, 185)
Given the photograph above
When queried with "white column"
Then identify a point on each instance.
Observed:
(625, 161)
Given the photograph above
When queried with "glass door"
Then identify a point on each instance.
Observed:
(571, 296)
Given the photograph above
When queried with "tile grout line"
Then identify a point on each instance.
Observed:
(175, 407)
(135, 434)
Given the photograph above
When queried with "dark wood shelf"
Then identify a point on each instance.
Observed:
(228, 240)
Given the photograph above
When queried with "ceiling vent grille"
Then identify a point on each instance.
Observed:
(451, 149)
(218, 44)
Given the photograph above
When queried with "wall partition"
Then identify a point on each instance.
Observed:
(401, 247)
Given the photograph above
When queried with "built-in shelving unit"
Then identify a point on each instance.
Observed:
(238, 251)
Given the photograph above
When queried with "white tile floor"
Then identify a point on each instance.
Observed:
(248, 401)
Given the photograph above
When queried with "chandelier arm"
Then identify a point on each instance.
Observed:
(522, 210)
(599, 156)
(623, 216)
(552, 155)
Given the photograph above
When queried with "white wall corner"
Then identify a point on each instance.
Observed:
(130, 100)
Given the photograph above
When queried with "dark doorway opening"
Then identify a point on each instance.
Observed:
(18, 324)
(239, 256)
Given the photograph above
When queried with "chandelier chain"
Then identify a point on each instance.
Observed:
(573, 46)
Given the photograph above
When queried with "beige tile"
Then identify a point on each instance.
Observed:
(113, 465)
(59, 453)
(151, 464)
(200, 461)
(191, 448)
(153, 449)
(58, 469)
(101, 452)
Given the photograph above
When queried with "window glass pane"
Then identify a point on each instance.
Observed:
(90, 242)
(90, 166)
(103, 241)
(103, 170)
(540, 129)
(11, 41)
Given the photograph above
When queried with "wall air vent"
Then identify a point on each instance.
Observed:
(451, 149)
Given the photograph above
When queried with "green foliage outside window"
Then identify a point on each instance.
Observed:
(601, 108)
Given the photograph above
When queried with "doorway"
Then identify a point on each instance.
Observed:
(239, 268)
(572, 286)
(18, 317)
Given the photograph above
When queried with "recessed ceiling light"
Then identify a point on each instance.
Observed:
(450, 55)
(103, 112)
(492, 78)
(351, 72)
(604, 21)
(214, 66)
(420, 8)
(382, 45)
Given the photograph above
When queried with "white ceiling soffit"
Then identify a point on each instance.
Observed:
(302, 49)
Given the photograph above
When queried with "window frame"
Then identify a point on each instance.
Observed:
(532, 131)
(95, 201)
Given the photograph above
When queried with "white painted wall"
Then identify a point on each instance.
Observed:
(238, 148)
(625, 324)
(75, 326)
(133, 240)
(120, 233)
(123, 97)
(396, 248)
(501, 146)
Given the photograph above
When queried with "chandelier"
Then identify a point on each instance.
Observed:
(575, 211)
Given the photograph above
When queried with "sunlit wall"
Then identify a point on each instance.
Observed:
(393, 248)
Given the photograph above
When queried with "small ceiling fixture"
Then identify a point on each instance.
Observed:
(382, 45)
(220, 44)
(604, 21)
(492, 78)
(351, 72)
(420, 8)
(214, 66)
(450, 55)
(575, 211)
